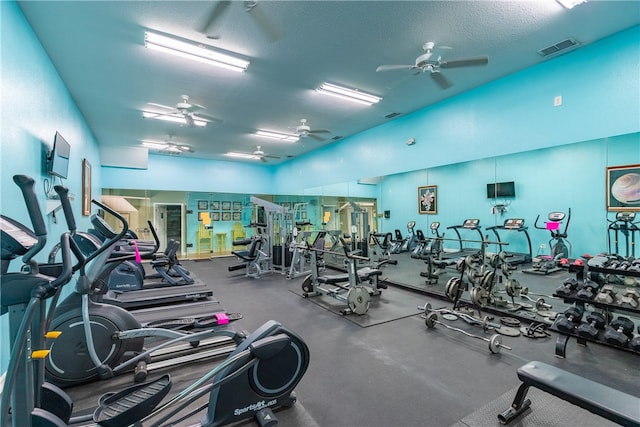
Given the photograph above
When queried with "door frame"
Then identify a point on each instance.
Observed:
(163, 233)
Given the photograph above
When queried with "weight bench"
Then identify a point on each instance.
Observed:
(367, 274)
(597, 398)
(247, 256)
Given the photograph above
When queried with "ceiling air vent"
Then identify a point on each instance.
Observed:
(564, 46)
(392, 115)
(335, 138)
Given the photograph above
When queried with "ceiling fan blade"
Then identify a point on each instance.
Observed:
(264, 22)
(441, 80)
(218, 11)
(393, 67)
(270, 156)
(319, 131)
(470, 62)
(316, 137)
(262, 159)
(207, 118)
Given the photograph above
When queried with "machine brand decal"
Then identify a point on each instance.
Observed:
(254, 407)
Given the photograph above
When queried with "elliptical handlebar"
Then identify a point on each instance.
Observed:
(112, 240)
(26, 184)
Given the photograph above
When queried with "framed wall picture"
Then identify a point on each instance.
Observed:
(86, 187)
(237, 206)
(226, 206)
(226, 216)
(215, 205)
(203, 205)
(623, 188)
(428, 199)
(237, 216)
(215, 216)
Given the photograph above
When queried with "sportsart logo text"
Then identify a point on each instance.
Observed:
(254, 407)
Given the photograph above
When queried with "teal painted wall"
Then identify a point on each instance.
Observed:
(551, 179)
(36, 104)
(599, 84)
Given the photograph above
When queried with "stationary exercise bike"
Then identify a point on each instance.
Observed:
(559, 244)
(258, 375)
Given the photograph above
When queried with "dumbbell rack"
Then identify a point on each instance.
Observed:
(581, 272)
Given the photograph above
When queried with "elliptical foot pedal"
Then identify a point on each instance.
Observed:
(266, 418)
(131, 404)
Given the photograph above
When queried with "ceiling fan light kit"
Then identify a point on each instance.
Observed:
(194, 52)
(353, 95)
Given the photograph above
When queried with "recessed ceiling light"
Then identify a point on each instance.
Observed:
(241, 155)
(194, 51)
(353, 95)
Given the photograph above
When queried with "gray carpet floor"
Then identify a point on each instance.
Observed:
(396, 372)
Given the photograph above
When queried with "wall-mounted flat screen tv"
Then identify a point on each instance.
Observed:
(501, 189)
(58, 159)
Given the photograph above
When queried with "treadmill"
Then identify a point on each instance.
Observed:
(470, 224)
(514, 224)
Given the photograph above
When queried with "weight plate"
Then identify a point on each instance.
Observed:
(358, 299)
(494, 343)
(510, 321)
(431, 319)
(427, 307)
(307, 284)
(487, 279)
(449, 316)
(526, 306)
(508, 331)
(548, 314)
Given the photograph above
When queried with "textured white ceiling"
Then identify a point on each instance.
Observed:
(98, 49)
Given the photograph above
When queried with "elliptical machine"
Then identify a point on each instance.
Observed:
(626, 225)
(258, 375)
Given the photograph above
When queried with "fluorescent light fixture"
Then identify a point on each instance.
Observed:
(193, 51)
(175, 118)
(348, 94)
(241, 155)
(172, 148)
(279, 136)
(154, 145)
(570, 4)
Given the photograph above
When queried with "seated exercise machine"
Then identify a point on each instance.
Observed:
(382, 242)
(510, 225)
(354, 287)
(253, 260)
(559, 245)
(607, 402)
(260, 373)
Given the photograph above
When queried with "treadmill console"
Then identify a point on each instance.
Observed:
(514, 223)
(472, 223)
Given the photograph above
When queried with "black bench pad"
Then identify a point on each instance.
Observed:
(597, 398)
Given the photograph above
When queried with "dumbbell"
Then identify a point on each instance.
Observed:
(572, 317)
(589, 290)
(630, 298)
(619, 332)
(606, 295)
(596, 322)
(634, 344)
(568, 287)
(495, 341)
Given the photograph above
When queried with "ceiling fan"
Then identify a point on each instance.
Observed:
(262, 156)
(185, 110)
(252, 8)
(169, 147)
(425, 63)
(303, 130)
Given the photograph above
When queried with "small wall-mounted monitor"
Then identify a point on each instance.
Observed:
(501, 189)
(58, 158)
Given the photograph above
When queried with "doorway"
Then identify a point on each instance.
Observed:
(168, 218)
